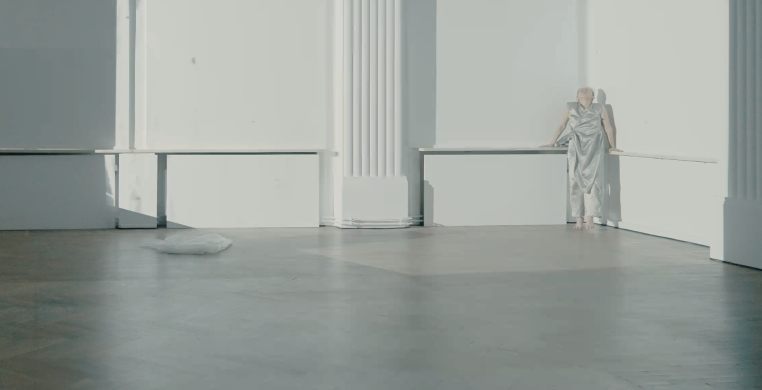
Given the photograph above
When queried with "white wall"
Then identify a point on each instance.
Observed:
(502, 75)
(665, 198)
(258, 74)
(663, 67)
(505, 69)
(224, 74)
(57, 90)
(237, 73)
(57, 73)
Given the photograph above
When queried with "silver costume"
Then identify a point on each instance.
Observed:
(587, 144)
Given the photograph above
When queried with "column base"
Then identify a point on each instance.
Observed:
(375, 203)
(716, 215)
(743, 229)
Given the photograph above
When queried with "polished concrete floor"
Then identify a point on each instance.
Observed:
(519, 308)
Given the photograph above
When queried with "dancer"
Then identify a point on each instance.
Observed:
(582, 128)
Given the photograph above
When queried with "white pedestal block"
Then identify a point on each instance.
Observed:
(484, 190)
(375, 202)
(243, 191)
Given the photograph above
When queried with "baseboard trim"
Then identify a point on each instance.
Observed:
(738, 265)
(631, 228)
(659, 232)
(137, 227)
(372, 224)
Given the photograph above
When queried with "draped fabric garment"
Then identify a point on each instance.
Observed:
(586, 139)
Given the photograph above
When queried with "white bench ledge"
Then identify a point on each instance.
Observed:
(10, 152)
(493, 150)
(667, 157)
(547, 150)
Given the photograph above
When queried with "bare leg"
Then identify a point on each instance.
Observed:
(592, 206)
(579, 225)
(589, 223)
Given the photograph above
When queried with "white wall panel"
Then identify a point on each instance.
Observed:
(236, 73)
(672, 199)
(664, 68)
(505, 70)
(243, 191)
(481, 190)
(58, 73)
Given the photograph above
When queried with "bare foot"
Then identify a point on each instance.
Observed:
(579, 225)
(590, 223)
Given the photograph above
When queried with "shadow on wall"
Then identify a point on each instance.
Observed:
(57, 192)
(420, 95)
(134, 216)
(58, 64)
(53, 192)
(428, 204)
(420, 73)
(129, 219)
(613, 186)
(58, 74)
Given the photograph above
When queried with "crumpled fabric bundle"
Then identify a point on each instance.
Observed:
(191, 244)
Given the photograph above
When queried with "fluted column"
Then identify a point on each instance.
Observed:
(373, 135)
(381, 86)
(743, 206)
(372, 184)
(745, 146)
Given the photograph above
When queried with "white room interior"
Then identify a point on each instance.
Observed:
(370, 196)
(302, 113)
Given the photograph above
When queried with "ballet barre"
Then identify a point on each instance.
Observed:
(60, 152)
